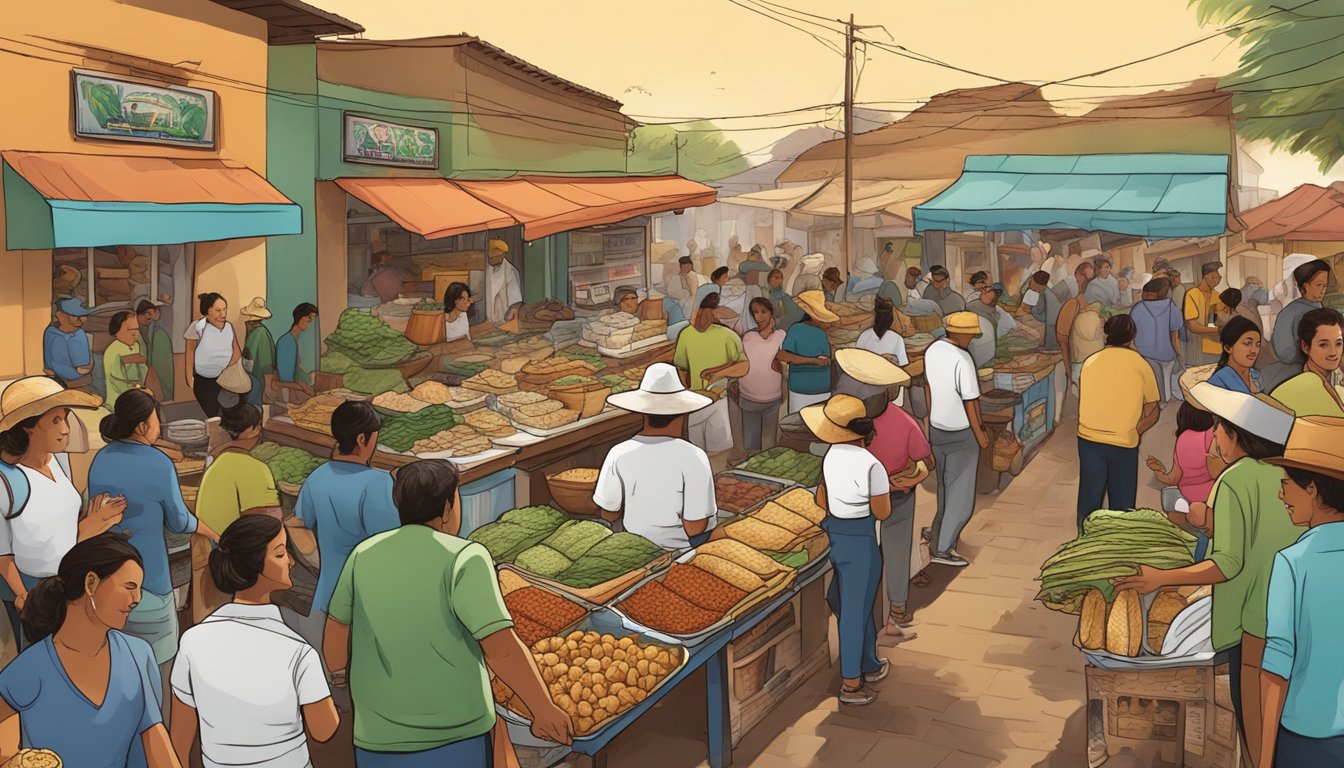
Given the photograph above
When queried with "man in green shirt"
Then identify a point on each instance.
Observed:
(418, 616)
(708, 353)
(123, 363)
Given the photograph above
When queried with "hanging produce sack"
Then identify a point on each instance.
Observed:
(234, 379)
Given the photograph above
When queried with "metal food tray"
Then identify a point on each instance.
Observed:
(690, 640)
(780, 485)
(607, 622)
(588, 607)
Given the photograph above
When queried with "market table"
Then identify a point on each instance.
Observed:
(712, 655)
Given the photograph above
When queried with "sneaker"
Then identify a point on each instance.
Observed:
(857, 697)
(949, 557)
(880, 674)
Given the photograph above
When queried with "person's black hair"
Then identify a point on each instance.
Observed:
(1305, 272)
(939, 271)
(452, 293)
(207, 300)
(1230, 298)
(1097, 262)
(1312, 321)
(711, 300)
(16, 440)
(1040, 277)
(241, 555)
(1330, 490)
(421, 490)
(1190, 418)
(884, 314)
(118, 320)
(977, 277)
(718, 273)
(661, 422)
(1119, 330)
(1231, 334)
(686, 260)
(144, 306)
(863, 427)
(776, 271)
(305, 309)
(806, 318)
(833, 275)
(764, 303)
(132, 408)
(1254, 445)
(102, 555)
(350, 421)
(240, 418)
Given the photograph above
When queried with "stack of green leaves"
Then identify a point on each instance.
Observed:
(1113, 544)
(374, 381)
(618, 383)
(465, 370)
(288, 465)
(787, 464)
(401, 430)
(428, 306)
(579, 353)
(558, 551)
(335, 362)
(615, 555)
(518, 530)
(369, 341)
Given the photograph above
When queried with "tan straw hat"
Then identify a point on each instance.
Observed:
(35, 395)
(1313, 445)
(256, 309)
(962, 322)
(814, 304)
(829, 421)
(870, 368)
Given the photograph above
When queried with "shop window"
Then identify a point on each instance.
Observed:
(602, 260)
(386, 262)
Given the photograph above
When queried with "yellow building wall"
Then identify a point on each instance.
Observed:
(186, 42)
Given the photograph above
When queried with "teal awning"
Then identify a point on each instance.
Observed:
(61, 200)
(1149, 195)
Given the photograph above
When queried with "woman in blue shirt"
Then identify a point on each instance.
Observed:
(807, 352)
(1302, 673)
(131, 466)
(83, 689)
(1236, 371)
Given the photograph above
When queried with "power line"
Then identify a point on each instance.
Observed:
(834, 48)
(803, 13)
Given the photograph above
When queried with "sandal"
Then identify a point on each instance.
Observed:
(900, 617)
(857, 697)
(921, 579)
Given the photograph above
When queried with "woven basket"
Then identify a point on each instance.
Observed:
(573, 497)
(587, 399)
(425, 327)
(750, 676)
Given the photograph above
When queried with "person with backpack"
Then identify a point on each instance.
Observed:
(35, 434)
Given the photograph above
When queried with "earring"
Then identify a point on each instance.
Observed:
(92, 603)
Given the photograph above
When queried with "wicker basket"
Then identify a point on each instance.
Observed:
(750, 676)
(587, 399)
(425, 327)
(573, 497)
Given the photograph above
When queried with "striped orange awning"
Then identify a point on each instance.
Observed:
(542, 205)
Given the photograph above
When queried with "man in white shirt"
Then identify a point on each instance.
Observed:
(956, 432)
(659, 485)
(503, 290)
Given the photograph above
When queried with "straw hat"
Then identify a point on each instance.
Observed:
(256, 309)
(870, 368)
(829, 421)
(35, 395)
(962, 322)
(660, 393)
(1313, 446)
(1257, 414)
(814, 304)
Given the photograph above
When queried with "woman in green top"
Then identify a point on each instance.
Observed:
(1250, 526)
(1320, 334)
(258, 349)
(123, 362)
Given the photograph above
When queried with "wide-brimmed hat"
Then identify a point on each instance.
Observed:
(870, 368)
(814, 304)
(1258, 414)
(660, 393)
(829, 421)
(1192, 376)
(1313, 446)
(962, 322)
(256, 309)
(35, 395)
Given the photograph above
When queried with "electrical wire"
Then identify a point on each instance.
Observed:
(828, 44)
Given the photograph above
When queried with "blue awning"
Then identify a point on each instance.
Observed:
(62, 200)
(1148, 195)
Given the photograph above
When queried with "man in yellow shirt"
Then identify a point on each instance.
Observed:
(1117, 403)
(1200, 311)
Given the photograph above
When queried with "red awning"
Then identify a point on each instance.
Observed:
(1307, 213)
(543, 205)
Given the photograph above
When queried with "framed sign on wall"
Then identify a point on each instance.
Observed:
(130, 110)
(380, 142)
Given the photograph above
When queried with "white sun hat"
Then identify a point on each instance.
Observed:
(1257, 414)
(660, 393)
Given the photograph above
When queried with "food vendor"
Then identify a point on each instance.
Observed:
(659, 485)
(457, 303)
(290, 375)
(503, 291)
(158, 350)
(258, 348)
(627, 300)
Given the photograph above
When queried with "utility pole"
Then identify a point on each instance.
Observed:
(847, 235)
(676, 148)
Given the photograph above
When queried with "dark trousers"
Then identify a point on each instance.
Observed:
(207, 394)
(1108, 478)
(1293, 750)
(1234, 683)
(857, 575)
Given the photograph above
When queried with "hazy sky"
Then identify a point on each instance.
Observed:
(712, 58)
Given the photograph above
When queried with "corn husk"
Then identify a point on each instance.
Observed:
(1124, 626)
(1092, 621)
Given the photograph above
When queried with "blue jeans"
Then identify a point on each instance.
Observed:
(1108, 478)
(857, 563)
(468, 753)
(1293, 750)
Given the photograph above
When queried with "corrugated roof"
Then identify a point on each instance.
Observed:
(294, 21)
(1309, 212)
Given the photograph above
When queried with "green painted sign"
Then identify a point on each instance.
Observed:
(379, 142)
(127, 110)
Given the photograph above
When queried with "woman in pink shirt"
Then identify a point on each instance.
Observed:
(1193, 469)
(761, 390)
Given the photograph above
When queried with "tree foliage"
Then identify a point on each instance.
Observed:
(1288, 88)
(705, 154)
